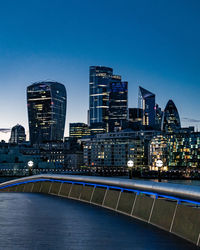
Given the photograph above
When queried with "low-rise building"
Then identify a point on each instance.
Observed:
(178, 151)
(115, 149)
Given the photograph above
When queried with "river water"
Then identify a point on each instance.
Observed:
(36, 221)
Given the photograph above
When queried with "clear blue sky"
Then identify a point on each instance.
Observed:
(152, 43)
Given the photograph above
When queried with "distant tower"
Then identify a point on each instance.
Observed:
(159, 115)
(17, 134)
(46, 111)
(118, 105)
(171, 120)
(99, 97)
(108, 99)
(146, 102)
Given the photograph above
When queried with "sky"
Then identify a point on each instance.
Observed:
(151, 43)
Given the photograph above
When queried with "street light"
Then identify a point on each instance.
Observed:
(159, 165)
(30, 166)
(130, 165)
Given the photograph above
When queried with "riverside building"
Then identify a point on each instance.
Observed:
(115, 149)
(46, 103)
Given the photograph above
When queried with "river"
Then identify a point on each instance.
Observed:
(36, 221)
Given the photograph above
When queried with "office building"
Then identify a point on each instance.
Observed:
(171, 120)
(158, 118)
(115, 149)
(118, 105)
(178, 151)
(78, 130)
(135, 115)
(99, 80)
(146, 102)
(17, 134)
(184, 150)
(46, 111)
(105, 105)
(158, 150)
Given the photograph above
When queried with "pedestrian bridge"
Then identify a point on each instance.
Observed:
(172, 207)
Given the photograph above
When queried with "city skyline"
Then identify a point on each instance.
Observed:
(6, 136)
(150, 44)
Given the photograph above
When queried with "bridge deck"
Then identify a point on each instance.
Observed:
(172, 207)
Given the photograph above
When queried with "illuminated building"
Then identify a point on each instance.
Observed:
(184, 150)
(158, 150)
(46, 111)
(17, 134)
(118, 105)
(146, 102)
(178, 151)
(78, 130)
(98, 94)
(115, 149)
(98, 128)
(171, 121)
(107, 99)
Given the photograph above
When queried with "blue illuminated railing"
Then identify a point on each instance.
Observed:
(156, 195)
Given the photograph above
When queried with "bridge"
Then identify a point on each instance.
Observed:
(172, 207)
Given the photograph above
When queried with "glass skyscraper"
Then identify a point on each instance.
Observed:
(46, 103)
(146, 102)
(99, 96)
(17, 134)
(158, 118)
(102, 91)
(171, 120)
(118, 105)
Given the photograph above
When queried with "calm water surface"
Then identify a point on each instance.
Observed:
(36, 221)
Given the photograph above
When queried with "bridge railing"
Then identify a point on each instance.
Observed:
(172, 207)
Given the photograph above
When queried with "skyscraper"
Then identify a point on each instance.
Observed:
(158, 119)
(146, 101)
(17, 134)
(171, 120)
(99, 83)
(46, 111)
(102, 86)
(118, 105)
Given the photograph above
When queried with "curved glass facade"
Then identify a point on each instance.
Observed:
(46, 111)
(171, 120)
(17, 134)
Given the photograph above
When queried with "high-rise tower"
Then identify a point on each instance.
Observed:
(146, 102)
(105, 92)
(118, 105)
(46, 111)
(171, 120)
(99, 97)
